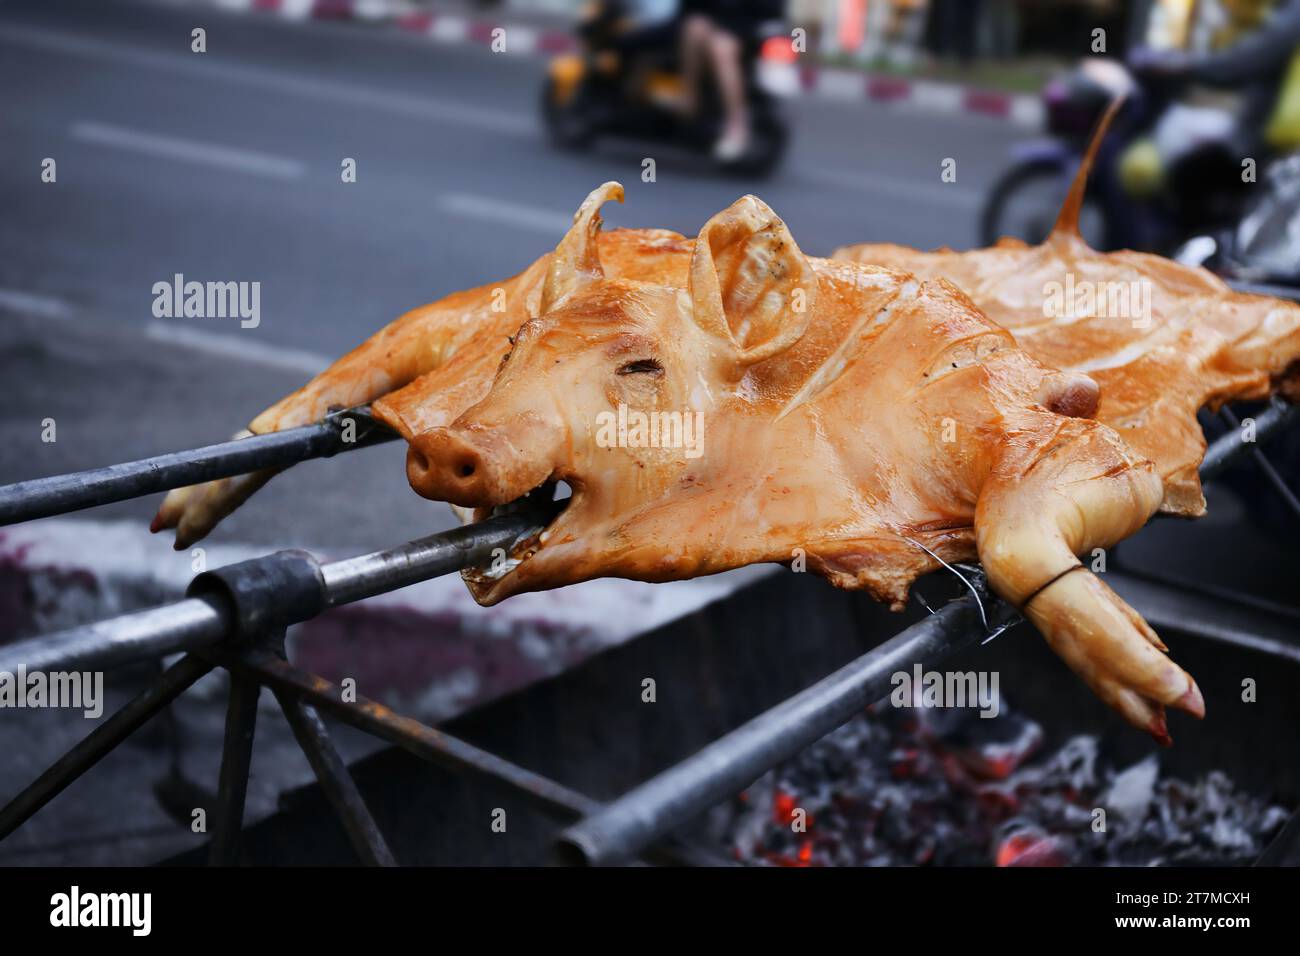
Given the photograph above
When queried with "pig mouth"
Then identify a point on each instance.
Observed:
(545, 505)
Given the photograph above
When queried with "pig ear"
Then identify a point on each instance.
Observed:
(750, 284)
(577, 260)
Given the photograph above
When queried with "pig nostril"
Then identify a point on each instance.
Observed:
(418, 459)
(466, 469)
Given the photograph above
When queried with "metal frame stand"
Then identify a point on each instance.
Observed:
(235, 618)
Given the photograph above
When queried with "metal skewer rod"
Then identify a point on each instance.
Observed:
(621, 829)
(1227, 448)
(60, 494)
(1263, 464)
(209, 618)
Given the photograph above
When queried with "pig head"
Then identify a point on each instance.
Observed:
(635, 395)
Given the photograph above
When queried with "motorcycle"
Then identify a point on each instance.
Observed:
(1264, 247)
(627, 86)
(1180, 150)
(1261, 254)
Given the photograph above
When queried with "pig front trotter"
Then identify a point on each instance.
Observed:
(196, 509)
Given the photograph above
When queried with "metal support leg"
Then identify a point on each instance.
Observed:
(419, 739)
(236, 755)
(336, 781)
(174, 681)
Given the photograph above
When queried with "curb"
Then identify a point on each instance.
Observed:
(781, 76)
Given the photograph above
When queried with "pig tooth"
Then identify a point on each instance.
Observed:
(496, 574)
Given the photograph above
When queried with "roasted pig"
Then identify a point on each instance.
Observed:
(848, 418)
(1162, 340)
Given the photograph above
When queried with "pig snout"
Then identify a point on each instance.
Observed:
(473, 470)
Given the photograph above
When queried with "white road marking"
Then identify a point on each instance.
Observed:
(31, 303)
(231, 346)
(513, 214)
(171, 332)
(246, 74)
(935, 194)
(186, 150)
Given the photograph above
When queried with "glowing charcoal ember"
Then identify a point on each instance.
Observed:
(989, 749)
(949, 789)
(1031, 846)
(783, 807)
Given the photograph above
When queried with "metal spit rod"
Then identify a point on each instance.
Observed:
(197, 622)
(1227, 448)
(60, 494)
(619, 831)
(734, 761)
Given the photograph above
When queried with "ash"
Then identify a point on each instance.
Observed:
(942, 787)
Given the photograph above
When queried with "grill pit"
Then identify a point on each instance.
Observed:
(591, 729)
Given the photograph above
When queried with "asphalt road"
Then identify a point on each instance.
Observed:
(226, 166)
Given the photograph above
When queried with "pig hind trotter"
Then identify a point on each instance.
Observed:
(1070, 489)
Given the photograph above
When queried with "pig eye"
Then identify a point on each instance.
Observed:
(650, 366)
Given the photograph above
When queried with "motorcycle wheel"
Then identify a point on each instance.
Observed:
(567, 124)
(1044, 184)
